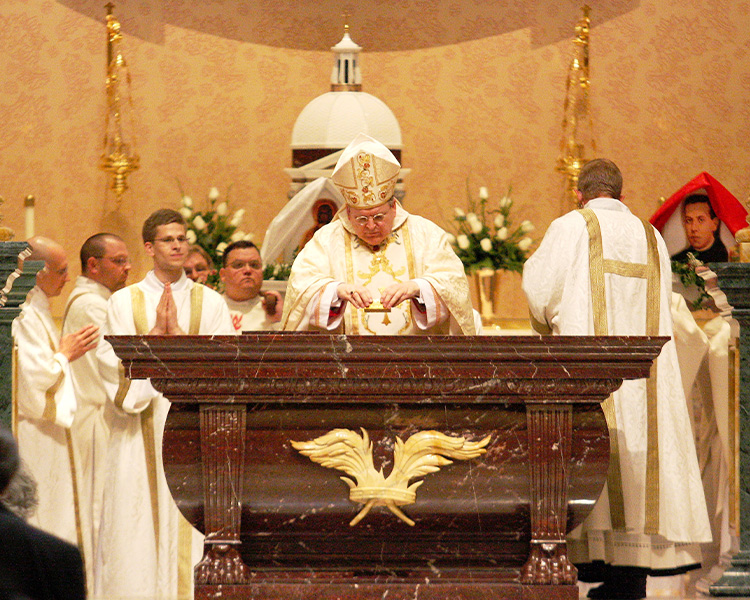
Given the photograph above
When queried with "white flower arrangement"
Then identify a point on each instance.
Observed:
(486, 238)
(213, 228)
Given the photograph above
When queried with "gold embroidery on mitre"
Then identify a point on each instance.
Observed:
(368, 181)
(423, 453)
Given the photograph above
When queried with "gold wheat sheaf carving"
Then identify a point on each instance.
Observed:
(423, 453)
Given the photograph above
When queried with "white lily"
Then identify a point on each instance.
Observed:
(237, 217)
(191, 237)
(524, 244)
(502, 234)
(186, 212)
(463, 241)
(238, 235)
(213, 193)
(486, 244)
(220, 248)
(199, 223)
(221, 209)
(527, 226)
(499, 221)
(483, 193)
(187, 201)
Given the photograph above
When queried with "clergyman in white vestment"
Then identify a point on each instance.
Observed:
(603, 271)
(376, 269)
(104, 266)
(45, 400)
(146, 547)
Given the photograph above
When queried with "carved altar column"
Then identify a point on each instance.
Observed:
(734, 281)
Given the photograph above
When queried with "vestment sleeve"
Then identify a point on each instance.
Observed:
(45, 386)
(311, 273)
(448, 292)
(544, 274)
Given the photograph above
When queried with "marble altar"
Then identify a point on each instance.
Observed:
(278, 525)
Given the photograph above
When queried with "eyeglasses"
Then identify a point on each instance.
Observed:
(241, 264)
(377, 219)
(120, 261)
(171, 240)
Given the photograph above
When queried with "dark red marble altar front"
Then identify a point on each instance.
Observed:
(277, 523)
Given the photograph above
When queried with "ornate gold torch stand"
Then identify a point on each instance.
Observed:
(577, 128)
(119, 157)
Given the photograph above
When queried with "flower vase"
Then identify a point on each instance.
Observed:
(485, 293)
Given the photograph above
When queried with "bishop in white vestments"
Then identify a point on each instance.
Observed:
(146, 547)
(376, 269)
(603, 271)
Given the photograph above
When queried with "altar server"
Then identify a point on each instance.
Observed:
(146, 548)
(45, 401)
(603, 271)
(105, 265)
(376, 269)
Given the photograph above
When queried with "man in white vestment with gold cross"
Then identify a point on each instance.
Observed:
(376, 269)
(146, 547)
(603, 271)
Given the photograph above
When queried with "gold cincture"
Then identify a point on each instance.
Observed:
(577, 127)
(119, 157)
(423, 453)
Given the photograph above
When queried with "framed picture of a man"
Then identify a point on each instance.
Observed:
(701, 218)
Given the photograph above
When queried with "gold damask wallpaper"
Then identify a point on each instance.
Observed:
(477, 86)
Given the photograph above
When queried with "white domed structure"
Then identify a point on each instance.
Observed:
(320, 124)
(329, 122)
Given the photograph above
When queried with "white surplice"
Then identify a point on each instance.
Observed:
(664, 508)
(416, 249)
(44, 411)
(87, 304)
(135, 557)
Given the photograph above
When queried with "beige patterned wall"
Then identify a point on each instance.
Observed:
(477, 86)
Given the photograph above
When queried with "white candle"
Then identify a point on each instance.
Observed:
(29, 217)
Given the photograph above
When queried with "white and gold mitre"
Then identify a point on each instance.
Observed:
(366, 173)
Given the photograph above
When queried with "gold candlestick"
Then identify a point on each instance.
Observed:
(577, 127)
(119, 157)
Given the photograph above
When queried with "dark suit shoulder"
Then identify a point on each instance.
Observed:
(36, 564)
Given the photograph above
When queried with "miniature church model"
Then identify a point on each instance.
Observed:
(329, 122)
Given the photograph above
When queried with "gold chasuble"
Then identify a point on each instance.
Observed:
(415, 249)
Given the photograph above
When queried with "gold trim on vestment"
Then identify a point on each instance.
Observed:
(650, 271)
(123, 387)
(184, 556)
(196, 309)
(351, 318)
(50, 406)
(652, 328)
(149, 451)
(138, 302)
(76, 494)
(70, 303)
